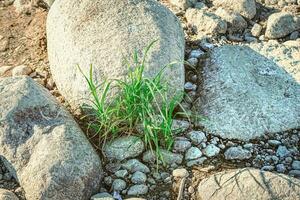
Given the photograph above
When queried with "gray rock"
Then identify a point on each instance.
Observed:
(113, 167)
(7, 176)
(138, 178)
(282, 152)
(7, 195)
(205, 23)
(281, 24)
(21, 70)
(200, 5)
(164, 175)
(237, 153)
(268, 168)
(249, 184)
(246, 8)
(156, 176)
(168, 157)
(196, 53)
(183, 4)
(248, 146)
(294, 35)
(206, 45)
(138, 190)
(181, 173)
(197, 137)
(288, 160)
(256, 30)
(274, 143)
(190, 86)
(102, 196)
(118, 185)
(108, 180)
(121, 173)
(250, 39)
(296, 165)
(211, 150)
(295, 173)
(283, 54)
(134, 165)
(124, 147)
(179, 126)
(197, 162)
(235, 99)
(193, 153)
(73, 24)
(42, 145)
(151, 181)
(193, 62)
(181, 145)
(235, 22)
(280, 168)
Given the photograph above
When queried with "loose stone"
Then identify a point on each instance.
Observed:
(181, 173)
(138, 178)
(193, 153)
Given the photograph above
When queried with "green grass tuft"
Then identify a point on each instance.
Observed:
(141, 106)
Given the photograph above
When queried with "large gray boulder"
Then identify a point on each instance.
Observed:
(248, 184)
(42, 146)
(286, 55)
(104, 33)
(281, 24)
(244, 95)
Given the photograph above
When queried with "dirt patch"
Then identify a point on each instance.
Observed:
(26, 38)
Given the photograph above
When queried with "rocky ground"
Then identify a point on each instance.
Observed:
(270, 28)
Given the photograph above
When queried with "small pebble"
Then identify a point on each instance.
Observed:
(197, 137)
(193, 153)
(118, 185)
(196, 53)
(190, 86)
(181, 173)
(280, 168)
(138, 178)
(191, 189)
(21, 70)
(121, 173)
(296, 165)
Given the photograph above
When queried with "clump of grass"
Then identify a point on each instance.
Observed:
(141, 106)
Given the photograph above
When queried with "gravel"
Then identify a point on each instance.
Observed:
(237, 153)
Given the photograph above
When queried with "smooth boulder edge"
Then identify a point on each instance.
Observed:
(42, 146)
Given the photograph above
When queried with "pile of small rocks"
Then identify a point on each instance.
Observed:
(140, 175)
(130, 170)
